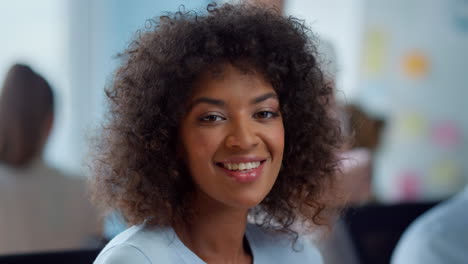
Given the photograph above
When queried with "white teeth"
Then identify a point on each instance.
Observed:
(241, 166)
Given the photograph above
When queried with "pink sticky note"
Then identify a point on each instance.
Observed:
(446, 134)
(409, 186)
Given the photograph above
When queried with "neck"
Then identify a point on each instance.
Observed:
(216, 233)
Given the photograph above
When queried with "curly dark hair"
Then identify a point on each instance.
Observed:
(137, 169)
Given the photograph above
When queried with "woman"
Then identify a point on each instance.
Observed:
(217, 119)
(40, 208)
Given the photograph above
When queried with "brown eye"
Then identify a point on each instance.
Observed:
(266, 115)
(211, 118)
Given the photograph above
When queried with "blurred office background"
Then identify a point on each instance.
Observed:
(74, 44)
(402, 61)
(405, 62)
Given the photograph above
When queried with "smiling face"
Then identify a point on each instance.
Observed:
(233, 138)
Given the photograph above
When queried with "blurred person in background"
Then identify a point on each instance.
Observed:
(40, 208)
(438, 236)
(362, 134)
(361, 131)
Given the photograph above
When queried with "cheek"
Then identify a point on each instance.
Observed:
(200, 147)
(275, 137)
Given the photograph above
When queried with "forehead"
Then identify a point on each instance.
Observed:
(228, 80)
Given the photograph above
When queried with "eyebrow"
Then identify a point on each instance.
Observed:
(218, 102)
(205, 100)
(264, 97)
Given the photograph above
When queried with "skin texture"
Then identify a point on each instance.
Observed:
(232, 117)
(239, 129)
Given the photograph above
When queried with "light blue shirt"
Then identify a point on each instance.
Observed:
(438, 236)
(140, 245)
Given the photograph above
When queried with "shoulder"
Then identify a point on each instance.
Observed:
(137, 245)
(279, 248)
(121, 254)
(436, 236)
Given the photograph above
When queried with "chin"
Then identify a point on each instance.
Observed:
(247, 202)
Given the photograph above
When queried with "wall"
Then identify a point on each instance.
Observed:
(339, 22)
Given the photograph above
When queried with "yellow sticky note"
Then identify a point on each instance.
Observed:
(375, 48)
(445, 174)
(411, 125)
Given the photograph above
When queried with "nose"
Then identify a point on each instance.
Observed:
(242, 135)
